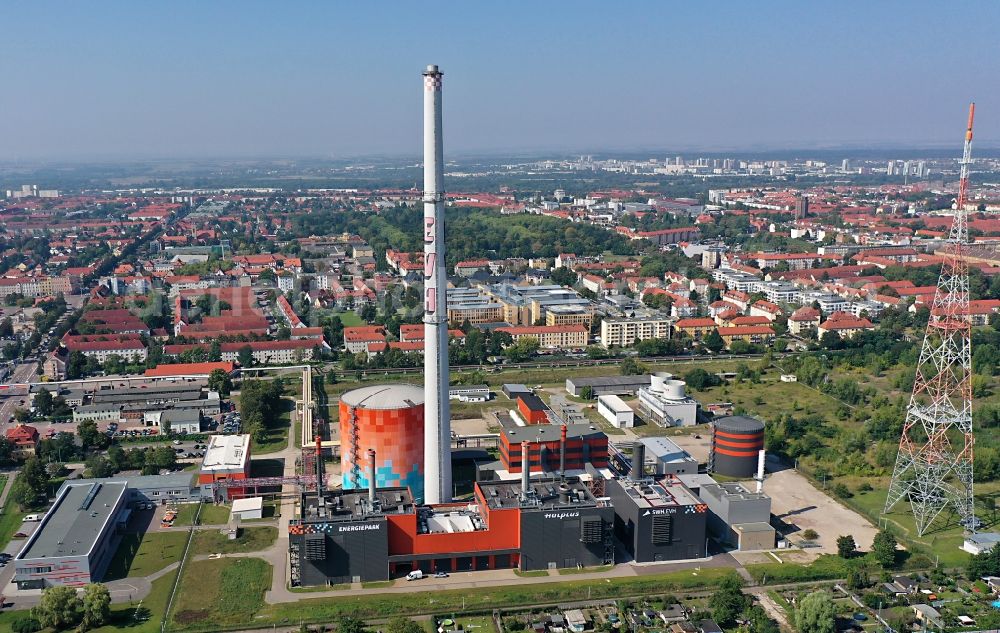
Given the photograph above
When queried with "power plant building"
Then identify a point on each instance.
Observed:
(739, 518)
(658, 520)
(390, 420)
(668, 458)
(227, 458)
(665, 403)
(736, 443)
(578, 444)
(349, 536)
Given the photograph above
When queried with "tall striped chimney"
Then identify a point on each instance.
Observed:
(437, 418)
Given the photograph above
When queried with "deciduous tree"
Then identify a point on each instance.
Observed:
(59, 608)
(816, 614)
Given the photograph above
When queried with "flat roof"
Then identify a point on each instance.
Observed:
(73, 525)
(353, 505)
(544, 494)
(549, 432)
(696, 480)
(248, 504)
(731, 490)
(532, 401)
(179, 479)
(756, 526)
(614, 403)
(664, 449)
(664, 493)
(226, 452)
(610, 381)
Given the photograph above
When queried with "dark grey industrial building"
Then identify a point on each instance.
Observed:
(562, 524)
(738, 517)
(658, 520)
(343, 537)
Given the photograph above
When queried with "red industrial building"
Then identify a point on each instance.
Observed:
(226, 458)
(532, 409)
(584, 444)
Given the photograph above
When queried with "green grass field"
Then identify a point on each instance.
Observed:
(212, 514)
(141, 555)
(11, 519)
(485, 598)
(186, 513)
(350, 319)
(251, 539)
(940, 544)
(220, 593)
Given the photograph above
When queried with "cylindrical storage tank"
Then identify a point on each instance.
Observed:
(673, 389)
(390, 420)
(736, 440)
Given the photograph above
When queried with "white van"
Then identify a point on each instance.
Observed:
(416, 574)
(30, 518)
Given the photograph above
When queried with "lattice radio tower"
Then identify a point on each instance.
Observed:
(934, 464)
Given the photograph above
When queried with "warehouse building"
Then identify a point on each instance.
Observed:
(73, 544)
(616, 412)
(606, 385)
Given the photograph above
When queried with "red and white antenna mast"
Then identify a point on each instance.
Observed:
(934, 464)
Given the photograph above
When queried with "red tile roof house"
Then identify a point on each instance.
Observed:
(356, 339)
(24, 438)
(804, 321)
(765, 309)
(845, 325)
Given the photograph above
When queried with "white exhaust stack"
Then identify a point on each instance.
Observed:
(525, 469)
(760, 471)
(437, 418)
(371, 476)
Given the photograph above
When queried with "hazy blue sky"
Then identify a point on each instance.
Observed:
(186, 79)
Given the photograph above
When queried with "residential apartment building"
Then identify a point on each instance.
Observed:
(696, 328)
(755, 334)
(626, 332)
(551, 336)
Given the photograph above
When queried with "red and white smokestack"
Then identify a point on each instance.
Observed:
(437, 418)
(371, 475)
